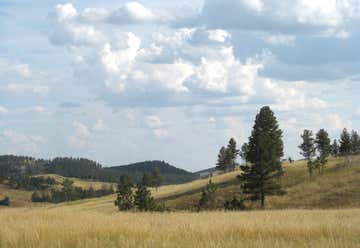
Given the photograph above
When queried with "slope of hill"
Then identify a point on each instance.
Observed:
(15, 166)
(170, 174)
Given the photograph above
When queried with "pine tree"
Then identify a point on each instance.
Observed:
(243, 152)
(308, 149)
(232, 153)
(355, 142)
(265, 151)
(345, 143)
(143, 199)
(221, 163)
(208, 197)
(335, 148)
(323, 146)
(146, 180)
(125, 198)
(156, 178)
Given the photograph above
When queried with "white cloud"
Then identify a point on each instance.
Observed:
(219, 35)
(81, 135)
(99, 126)
(7, 68)
(157, 127)
(25, 89)
(3, 110)
(256, 5)
(22, 142)
(333, 121)
(132, 13)
(280, 39)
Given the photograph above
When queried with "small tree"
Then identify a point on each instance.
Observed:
(208, 197)
(244, 151)
(156, 178)
(355, 142)
(335, 148)
(143, 199)
(265, 151)
(125, 198)
(308, 149)
(323, 147)
(67, 189)
(232, 153)
(146, 180)
(345, 145)
(221, 160)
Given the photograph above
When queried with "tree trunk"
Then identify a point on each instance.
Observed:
(262, 200)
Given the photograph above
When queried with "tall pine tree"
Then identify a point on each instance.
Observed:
(221, 163)
(345, 143)
(260, 178)
(323, 146)
(335, 148)
(355, 142)
(308, 149)
(232, 153)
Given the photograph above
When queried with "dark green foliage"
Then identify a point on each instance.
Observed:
(290, 160)
(235, 204)
(345, 143)
(323, 147)
(30, 182)
(125, 198)
(170, 174)
(143, 199)
(75, 167)
(244, 151)
(265, 151)
(208, 197)
(308, 149)
(5, 201)
(221, 163)
(146, 180)
(156, 178)
(231, 153)
(68, 192)
(227, 157)
(335, 149)
(355, 142)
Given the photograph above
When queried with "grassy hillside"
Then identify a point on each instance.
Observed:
(337, 187)
(288, 228)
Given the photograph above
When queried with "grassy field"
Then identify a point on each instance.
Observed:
(97, 223)
(288, 228)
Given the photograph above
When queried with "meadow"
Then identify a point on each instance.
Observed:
(63, 227)
(319, 212)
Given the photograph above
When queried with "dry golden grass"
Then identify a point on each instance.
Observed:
(287, 228)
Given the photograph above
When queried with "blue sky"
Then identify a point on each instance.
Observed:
(120, 81)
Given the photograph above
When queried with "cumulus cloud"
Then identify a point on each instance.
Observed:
(3, 110)
(21, 142)
(156, 126)
(334, 121)
(25, 89)
(14, 69)
(279, 39)
(83, 133)
(132, 13)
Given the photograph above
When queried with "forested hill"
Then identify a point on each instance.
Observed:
(170, 174)
(15, 166)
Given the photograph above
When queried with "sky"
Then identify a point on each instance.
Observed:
(127, 81)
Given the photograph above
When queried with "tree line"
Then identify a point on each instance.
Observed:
(317, 149)
(69, 192)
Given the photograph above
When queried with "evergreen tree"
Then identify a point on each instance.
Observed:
(125, 198)
(323, 146)
(67, 189)
(308, 149)
(244, 151)
(221, 163)
(355, 142)
(146, 180)
(208, 197)
(232, 153)
(143, 199)
(345, 143)
(156, 178)
(265, 151)
(335, 148)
